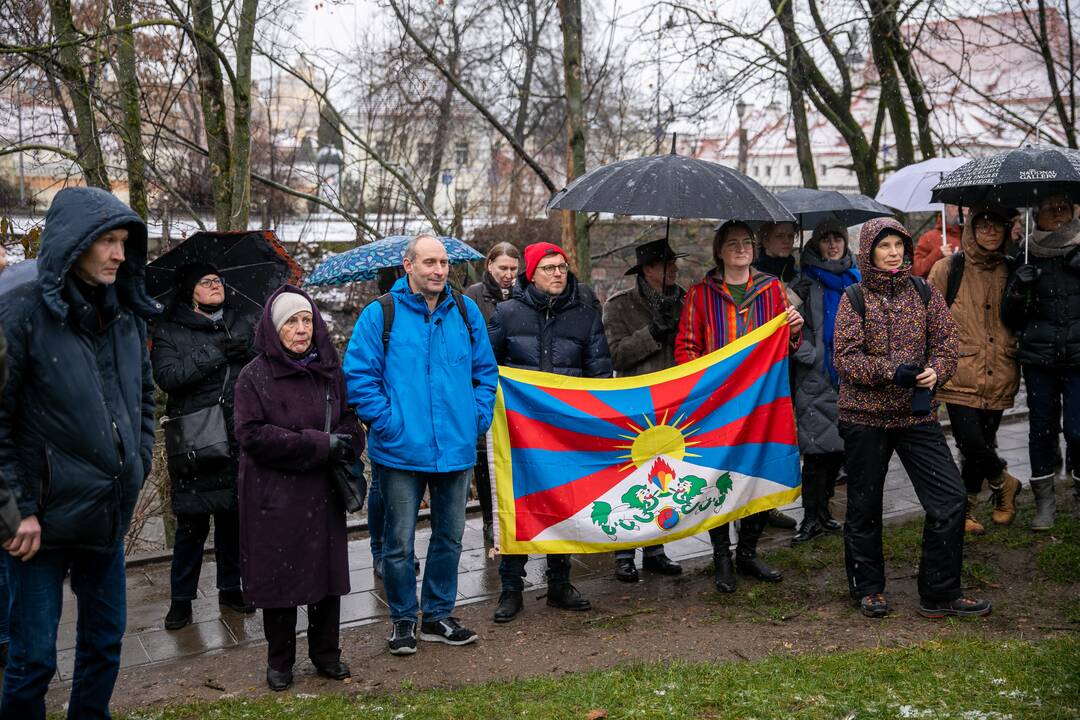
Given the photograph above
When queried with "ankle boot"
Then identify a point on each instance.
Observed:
(1045, 503)
(971, 525)
(1005, 488)
(510, 604)
(561, 594)
(724, 571)
(810, 527)
(747, 561)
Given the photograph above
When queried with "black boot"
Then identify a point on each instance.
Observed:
(563, 595)
(661, 564)
(510, 604)
(746, 560)
(278, 680)
(779, 520)
(234, 600)
(828, 522)
(625, 570)
(723, 571)
(179, 614)
(809, 528)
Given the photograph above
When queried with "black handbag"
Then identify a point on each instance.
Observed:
(199, 439)
(350, 487)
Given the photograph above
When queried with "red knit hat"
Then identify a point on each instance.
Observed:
(535, 253)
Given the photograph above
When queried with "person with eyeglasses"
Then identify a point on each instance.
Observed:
(199, 348)
(972, 281)
(1042, 305)
(548, 326)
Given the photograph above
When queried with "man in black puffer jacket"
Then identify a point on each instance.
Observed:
(76, 441)
(546, 326)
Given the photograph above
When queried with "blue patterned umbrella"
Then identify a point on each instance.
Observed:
(364, 262)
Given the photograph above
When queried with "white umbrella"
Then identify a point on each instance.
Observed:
(908, 189)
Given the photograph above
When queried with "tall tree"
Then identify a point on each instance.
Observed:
(131, 124)
(575, 234)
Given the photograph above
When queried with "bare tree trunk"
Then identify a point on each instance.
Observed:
(1042, 37)
(898, 48)
(438, 144)
(215, 120)
(516, 208)
(891, 95)
(802, 132)
(131, 125)
(575, 225)
(240, 158)
(87, 146)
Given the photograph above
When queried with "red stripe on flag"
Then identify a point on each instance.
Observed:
(769, 423)
(587, 402)
(669, 396)
(529, 433)
(765, 354)
(538, 511)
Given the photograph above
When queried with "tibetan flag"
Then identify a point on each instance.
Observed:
(594, 465)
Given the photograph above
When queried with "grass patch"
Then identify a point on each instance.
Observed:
(956, 679)
(1059, 558)
(978, 573)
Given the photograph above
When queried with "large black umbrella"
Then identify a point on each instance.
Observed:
(812, 206)
(671, 186)
(253, 264)
(1020, 177)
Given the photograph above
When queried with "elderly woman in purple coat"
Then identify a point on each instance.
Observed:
(292, 424)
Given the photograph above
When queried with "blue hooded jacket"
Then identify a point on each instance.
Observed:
(77, 414)
(432, 395)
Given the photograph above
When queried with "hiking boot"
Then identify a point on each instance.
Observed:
(334, 671)
(809, 529)
(565, 596)
(661, 564)
(755, 567)
(179, 614)
(447, 631)
(1004, 489)
(724, 571)
(625, 570)
(960, 607)
(971, 525)
(234, 600)
(403, 639)
(278, 680)
(1045, 502)
(874, 606)
(510, 604)
(779, 520)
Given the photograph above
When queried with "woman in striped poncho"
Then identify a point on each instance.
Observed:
(732, 300)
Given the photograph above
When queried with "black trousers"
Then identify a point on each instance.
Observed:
(928, 462)
(819, 473)
(482, 477)
(975, 432)
(750, 529)
(191, 534)
(324, 623)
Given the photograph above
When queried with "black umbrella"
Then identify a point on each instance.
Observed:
(1020, 177)
(671, 186)
(812, 206)
(253, 264)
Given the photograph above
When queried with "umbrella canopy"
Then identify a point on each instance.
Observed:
(253, 264)
(671, 186)
(18, 275)
(908, 189)
(1012, 178)
(364, 262)
(812, 206)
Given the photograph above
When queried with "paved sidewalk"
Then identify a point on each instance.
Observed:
(216, 629)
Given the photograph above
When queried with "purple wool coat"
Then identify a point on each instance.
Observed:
(293, 546)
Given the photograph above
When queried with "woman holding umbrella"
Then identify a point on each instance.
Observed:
(827, 269)
(1042, 304)
(198, 352)
(730, 302)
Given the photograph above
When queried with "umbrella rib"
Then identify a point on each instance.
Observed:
(245, 295)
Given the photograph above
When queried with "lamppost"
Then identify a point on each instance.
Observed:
(740, 110)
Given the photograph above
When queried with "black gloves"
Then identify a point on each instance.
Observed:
(341, 449)
(665, 322)
(235, 349)
(1027, 274)
(905, 375)
(920, 402)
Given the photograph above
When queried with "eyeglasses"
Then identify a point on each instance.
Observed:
(549, 270)
(988, 224)
(211, 282)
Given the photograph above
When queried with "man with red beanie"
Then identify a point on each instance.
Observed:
(549, 325)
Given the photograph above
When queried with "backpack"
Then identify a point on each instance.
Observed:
(956, 274)
(854, 293)
(387, 303)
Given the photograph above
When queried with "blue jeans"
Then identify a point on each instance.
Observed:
(402, 491)
(376, 517)
(1049, 392)
(5, 602)
(37, 591)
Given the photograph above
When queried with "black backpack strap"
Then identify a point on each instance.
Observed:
(387, 303)
(854, 295)
(956, 274)
(459, 300)
(924, 289)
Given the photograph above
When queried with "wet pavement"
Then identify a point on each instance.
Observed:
(215, 628)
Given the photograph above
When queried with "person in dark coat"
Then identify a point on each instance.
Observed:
(775, 257)
(9, 525)
(293, 423)
(891, 358)
(198, 351)
(503, 263)
(545, 326)
(1042, 305)
(640, 324)
(827, 269)
(76, 444)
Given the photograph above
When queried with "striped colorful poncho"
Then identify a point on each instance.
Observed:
(711, 319)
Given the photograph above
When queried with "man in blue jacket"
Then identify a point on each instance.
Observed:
(426, 389)
(76, 441)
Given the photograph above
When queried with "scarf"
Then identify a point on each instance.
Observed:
(833, 285)
(302, 359)
(1055, 243)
